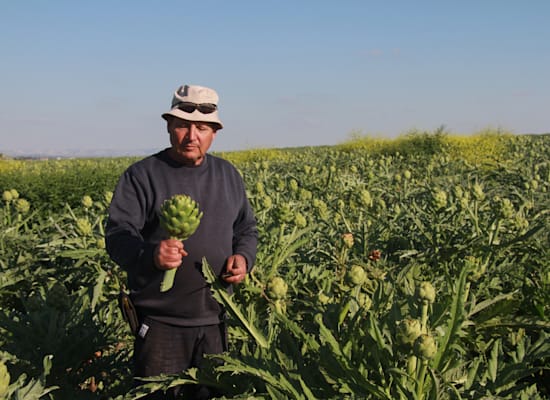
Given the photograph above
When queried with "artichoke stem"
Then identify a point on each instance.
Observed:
(421, 378)
(424, 316)
(411, 364)
(168, 280)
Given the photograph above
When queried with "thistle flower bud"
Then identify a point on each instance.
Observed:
(426, 292)
(22, 206)
(425, 347)
(439, 198)
(293, 185)
(478, 191)
(348, 240)
(14, 194)
(6, 196)
(84, 227)
(305, 195)
(4, 380)
(276, 288)
(356, 275)
(407, 174)
(107, 197)
(506, 210)
(267, 202)
(260, 188)
(87, 201)
(408, 330)
(300, 220)
(476, 266)
(285, 213)
(321, 208)
(364, 300)
(365, 198)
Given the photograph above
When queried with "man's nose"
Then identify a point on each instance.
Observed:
(193, 131)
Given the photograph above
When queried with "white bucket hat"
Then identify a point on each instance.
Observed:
(195, 103)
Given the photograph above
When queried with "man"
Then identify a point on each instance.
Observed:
(180, 325)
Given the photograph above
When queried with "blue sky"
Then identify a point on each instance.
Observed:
(94, 76)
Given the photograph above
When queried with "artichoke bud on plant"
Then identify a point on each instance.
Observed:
(285, 214)
(478, 191)
(426, 292)
(84, 227)
(300, 220)
(439, 199)
(364, 300)
(22, 206)
(180, 217)
(408, 330)
(108, 196)
(87, 201)
(4, 380)
(476, 266)
(348, 240)
(365, 198)
(7, 196)
(356, 275)
(293, 185)
(304, 195)
(276, 288)
(425, 347)
(506, 210)
(266, 201)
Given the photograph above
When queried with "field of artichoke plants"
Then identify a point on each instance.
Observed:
(413, 268)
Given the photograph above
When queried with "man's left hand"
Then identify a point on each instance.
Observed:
(235, 269)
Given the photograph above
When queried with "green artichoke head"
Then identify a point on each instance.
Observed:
(180, 216)
(276, 288)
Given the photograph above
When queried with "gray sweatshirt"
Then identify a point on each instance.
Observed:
(228, 226)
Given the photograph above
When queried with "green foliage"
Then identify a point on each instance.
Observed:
(50, 184)
(408, 269)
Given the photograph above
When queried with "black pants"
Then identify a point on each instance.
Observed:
(172, 349)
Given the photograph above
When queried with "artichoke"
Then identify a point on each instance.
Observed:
(356, 275)
(7, 196)
(87, 201)
(180, 217)
(425, 347)
(408, 330)
(426, 292)
(277, 288)
(4, 380)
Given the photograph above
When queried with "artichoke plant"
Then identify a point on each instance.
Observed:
(180, 217)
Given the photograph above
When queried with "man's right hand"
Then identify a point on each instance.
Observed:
(168, 254)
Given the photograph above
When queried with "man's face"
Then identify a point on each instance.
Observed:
(190, 140)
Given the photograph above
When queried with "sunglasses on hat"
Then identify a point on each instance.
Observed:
(189, 107)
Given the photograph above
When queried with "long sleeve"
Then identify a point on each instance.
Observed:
(228, 226)
(245, 231)
(127, 219)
